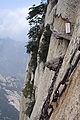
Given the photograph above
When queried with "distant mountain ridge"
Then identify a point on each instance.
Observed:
(12, 73)
(9, 98)
(12, 57)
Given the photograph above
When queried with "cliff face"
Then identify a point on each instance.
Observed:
(57, 89)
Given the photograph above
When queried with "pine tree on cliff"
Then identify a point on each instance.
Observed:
(36, 19)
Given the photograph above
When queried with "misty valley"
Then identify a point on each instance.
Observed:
(12, 73)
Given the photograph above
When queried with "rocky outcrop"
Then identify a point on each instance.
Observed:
(57, 93)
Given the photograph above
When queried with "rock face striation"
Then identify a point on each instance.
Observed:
(57, 81)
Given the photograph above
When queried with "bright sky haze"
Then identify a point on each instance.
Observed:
(13, 15)
(13, 4)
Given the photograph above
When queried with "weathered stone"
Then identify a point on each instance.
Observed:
(55, 63)
(62, 36)
(65, 90)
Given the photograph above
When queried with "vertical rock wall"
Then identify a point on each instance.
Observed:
(67, 106)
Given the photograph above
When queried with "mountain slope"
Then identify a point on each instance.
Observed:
(12, 72)
(9, 98)
(12, 57)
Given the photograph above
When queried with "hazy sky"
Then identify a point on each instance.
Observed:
(13, 14)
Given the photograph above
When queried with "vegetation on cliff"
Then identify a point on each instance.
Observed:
(44, 46)
(36, 21)
(29, 93)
